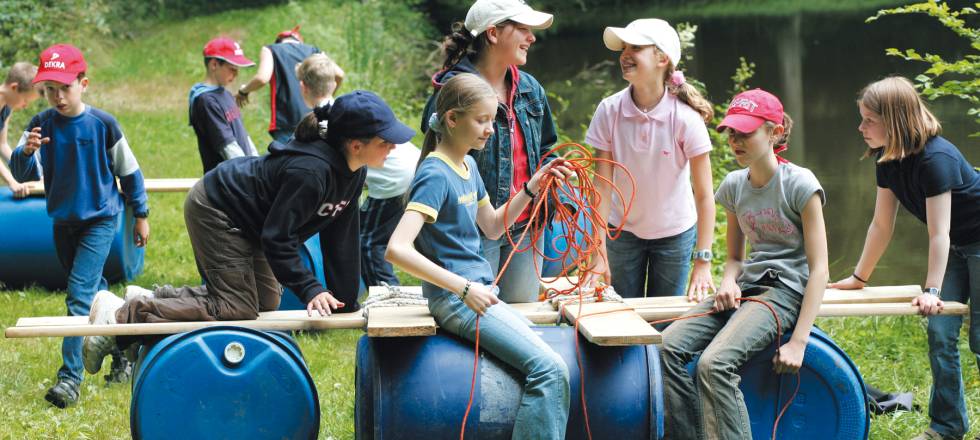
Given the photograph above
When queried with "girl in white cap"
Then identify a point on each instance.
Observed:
(492, 43)
(656, 129)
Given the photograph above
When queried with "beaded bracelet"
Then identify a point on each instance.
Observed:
(466, 289)
(528, 192)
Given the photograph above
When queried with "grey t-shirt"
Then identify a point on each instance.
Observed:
(771, 219)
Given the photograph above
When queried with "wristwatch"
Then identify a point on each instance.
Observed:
(241, 90)
(702, 255)
(931, 290)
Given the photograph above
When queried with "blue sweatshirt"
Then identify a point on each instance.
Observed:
(80, 165)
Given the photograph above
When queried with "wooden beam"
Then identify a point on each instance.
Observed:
(611, 324)
(400, 321)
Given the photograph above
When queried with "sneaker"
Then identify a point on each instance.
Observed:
(931, 434)
(63, 394)
(134, 291)
(121, 370)
(96, 348)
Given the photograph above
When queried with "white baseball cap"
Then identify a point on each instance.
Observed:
(644, 32)
(486, 13)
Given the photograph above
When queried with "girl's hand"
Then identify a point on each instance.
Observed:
(557, 168)
(701, 282)
(323, 303)
(789, 357)
(928, 304)
(479, 298)
(849, 283)
(725, 299)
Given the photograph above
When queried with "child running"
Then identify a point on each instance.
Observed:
(917, 168)
(16, 93)
(655, 128)
(777, 207)
(81, 150)
(438, 240)
(248, 218)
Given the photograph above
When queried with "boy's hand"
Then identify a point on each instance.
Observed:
(479, 298)
(928, 304)
(725, 299)
(141, 232)
(789, 357)
(34, 141)
(323, 303)
(241, 99)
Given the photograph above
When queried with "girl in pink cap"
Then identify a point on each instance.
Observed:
(777, 207)
(655, 127)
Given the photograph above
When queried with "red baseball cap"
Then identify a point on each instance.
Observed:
(60, 63)
(228, 50)
(290, 33)
(750, 109)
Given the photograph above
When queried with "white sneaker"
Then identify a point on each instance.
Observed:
(96, 348)
(134, 291)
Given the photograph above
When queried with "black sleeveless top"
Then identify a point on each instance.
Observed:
(287, 103)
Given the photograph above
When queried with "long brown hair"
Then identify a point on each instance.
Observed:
(459, 94)
(908, 122)
(687, 93)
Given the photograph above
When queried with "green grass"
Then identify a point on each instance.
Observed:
(144, 83)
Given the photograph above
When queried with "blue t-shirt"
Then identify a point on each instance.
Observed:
(80, 165)
(449, 197)
(939, 168)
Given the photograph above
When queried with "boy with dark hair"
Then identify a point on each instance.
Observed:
(16, 93)
(81, 151)
(215, 116)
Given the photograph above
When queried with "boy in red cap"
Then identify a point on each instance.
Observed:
(16, 93)
(213, 113)
(82, 151)
(277, 64)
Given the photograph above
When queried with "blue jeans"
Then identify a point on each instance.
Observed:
(660, 265)
(378, 220)
(82, 249)
(961, 283)
(506, 334)
(522, 279)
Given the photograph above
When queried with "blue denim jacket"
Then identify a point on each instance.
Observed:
(533, 114)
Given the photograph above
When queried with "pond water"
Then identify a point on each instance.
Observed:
(816, 63)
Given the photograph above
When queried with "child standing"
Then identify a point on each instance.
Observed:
(492, 43)
(213, 113)
(16, 93)
(82, 151)
(277, 64)
(248, 218)
(777, 207)
(655, 128)
(920, 170)
(447, 205)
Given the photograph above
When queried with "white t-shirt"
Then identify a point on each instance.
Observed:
(394, 178)
(655, 147)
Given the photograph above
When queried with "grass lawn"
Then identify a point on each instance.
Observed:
(144, 83)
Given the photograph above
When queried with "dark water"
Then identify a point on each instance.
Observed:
(816, 64)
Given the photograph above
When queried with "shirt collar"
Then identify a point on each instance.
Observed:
(660, 112)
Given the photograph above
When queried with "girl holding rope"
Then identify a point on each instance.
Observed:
(777, 207)
(438, 240)
(925, 173)
(655, 128)
(492, 42)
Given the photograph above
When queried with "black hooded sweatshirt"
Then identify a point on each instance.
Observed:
(281, 199)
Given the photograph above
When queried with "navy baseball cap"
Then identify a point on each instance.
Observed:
(362, 114)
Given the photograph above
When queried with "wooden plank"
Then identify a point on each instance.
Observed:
(826, 310)
(557, 284)
(400, 321)
(611, 324)
(540, 313)
(877, 294)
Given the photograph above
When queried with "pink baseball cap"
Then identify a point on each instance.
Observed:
(228, 50)
(60, 63)
(290, 33)
(750, 109)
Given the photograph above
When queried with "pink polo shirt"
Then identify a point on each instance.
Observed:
(656, 147)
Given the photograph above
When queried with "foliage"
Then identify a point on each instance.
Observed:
(957, 78)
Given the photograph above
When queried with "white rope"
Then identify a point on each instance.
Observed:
(393, 297)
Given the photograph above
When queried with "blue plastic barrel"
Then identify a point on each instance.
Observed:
(224, 383)
(830, 404)
(27, 252)
(417, 388)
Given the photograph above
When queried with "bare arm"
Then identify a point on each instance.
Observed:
(876, 242)
(728, 290)
(704, 202)
(789, 359)
(261, 78)
(938, 213)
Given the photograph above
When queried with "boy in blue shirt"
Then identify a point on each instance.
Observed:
(81, 151)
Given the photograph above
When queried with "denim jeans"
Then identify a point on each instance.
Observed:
(506, 334)
(522, 279)
(660, 265)
(961, 283)
(82, 249)
(378, 220)
(710, 405)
